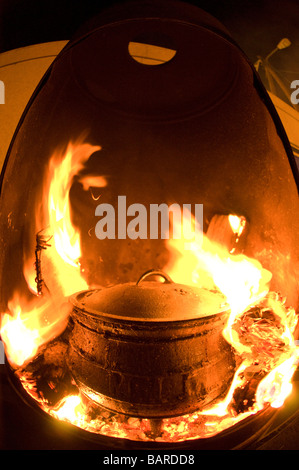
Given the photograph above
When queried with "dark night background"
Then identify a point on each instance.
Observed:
(257, 25)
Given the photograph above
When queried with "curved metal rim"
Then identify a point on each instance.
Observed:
(96, 315)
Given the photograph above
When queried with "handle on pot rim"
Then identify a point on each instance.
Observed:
(154, 272)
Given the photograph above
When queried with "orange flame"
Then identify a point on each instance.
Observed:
(237, 224)
(202, 263)
(55, 213)
(29, 324)
(244, 282)
(69, 409)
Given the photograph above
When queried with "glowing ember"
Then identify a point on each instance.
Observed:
(260, 327)
(269, 361)
(252, 389)
(70, 409)
(245, 283)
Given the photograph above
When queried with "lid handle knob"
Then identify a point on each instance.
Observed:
(154, 272)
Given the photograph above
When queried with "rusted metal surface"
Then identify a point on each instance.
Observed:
(151, 367)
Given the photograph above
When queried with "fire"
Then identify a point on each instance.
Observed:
(237, 224)
(20, 339)
(70, 409)
(30, 323)
(55, 213)
(208, 264)
(277, 386)
(260, 328)
(245, 283)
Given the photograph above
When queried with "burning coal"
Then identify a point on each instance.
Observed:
(260, 327)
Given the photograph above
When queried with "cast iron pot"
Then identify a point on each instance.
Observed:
(150, 349)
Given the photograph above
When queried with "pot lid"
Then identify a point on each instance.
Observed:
(151, 300)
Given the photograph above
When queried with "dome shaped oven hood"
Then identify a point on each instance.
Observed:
(199, 128)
